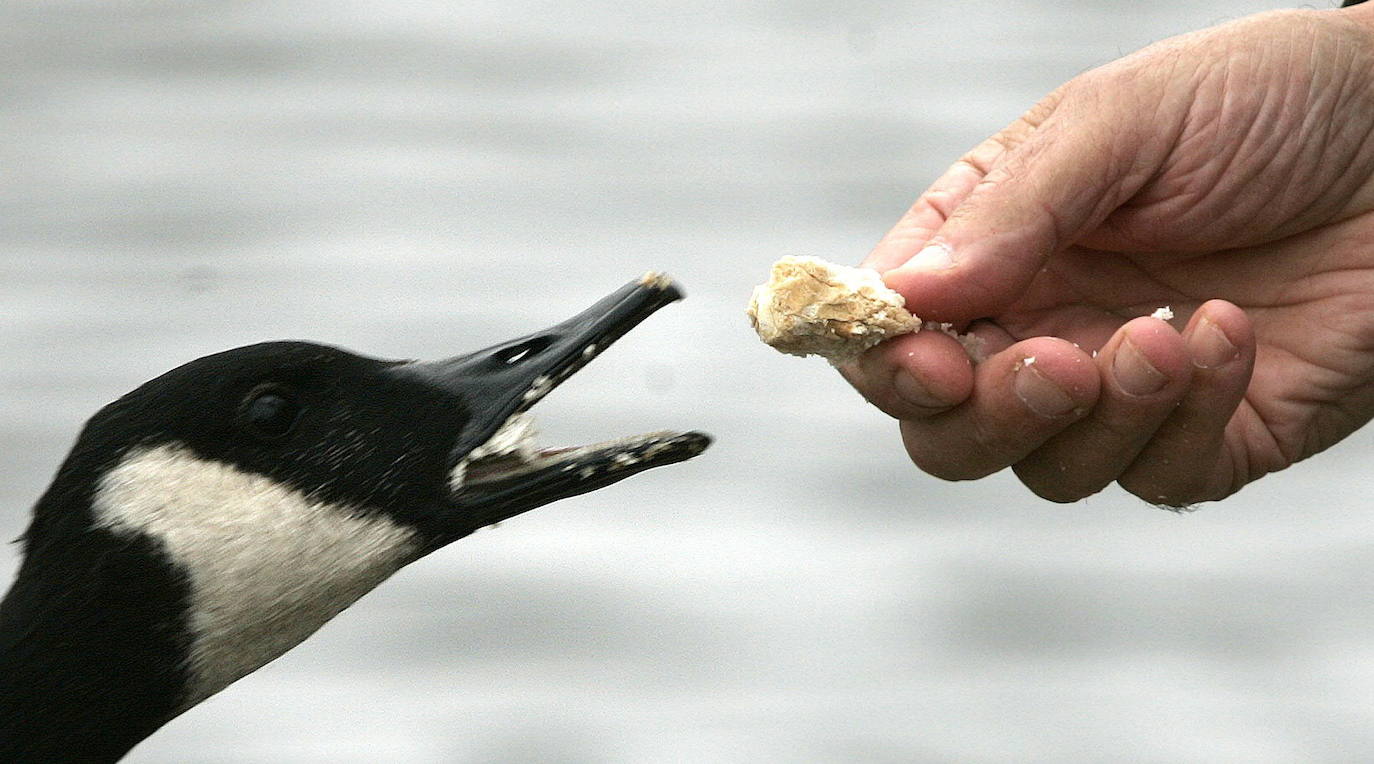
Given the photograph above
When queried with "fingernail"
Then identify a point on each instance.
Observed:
(1040, 394)
(1209, 346)
(911, 390)
(1133, 371)
(935, 257)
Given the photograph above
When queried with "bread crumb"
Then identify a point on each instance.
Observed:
(813, 307)
(656, 280)
(1163, 314)
(973, 345)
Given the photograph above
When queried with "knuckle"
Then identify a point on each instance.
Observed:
(942, 203)
(979, 162)
(1002, 444)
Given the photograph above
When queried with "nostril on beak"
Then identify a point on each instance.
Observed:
(512, 355)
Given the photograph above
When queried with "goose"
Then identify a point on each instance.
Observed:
(216, 516)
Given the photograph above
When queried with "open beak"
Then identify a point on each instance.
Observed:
(496, 471)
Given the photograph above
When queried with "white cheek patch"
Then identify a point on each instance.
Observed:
(267, 565)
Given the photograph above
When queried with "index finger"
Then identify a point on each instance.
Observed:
(913, 376)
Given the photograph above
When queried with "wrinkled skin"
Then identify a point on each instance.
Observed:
(1225, 173)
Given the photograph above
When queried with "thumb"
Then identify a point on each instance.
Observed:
(1053, 186)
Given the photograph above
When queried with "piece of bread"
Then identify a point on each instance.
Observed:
(812, 307)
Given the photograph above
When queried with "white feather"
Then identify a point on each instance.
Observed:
(267, 565)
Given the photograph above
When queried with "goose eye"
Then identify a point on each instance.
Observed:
(270, 413)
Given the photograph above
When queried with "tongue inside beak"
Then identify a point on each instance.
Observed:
(510, 448)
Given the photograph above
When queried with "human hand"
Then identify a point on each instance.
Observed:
(1227, 173)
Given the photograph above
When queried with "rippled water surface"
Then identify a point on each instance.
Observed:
(413, 179)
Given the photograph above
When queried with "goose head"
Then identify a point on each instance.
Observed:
(217, 515)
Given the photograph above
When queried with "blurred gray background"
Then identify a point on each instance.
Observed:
(414, 179)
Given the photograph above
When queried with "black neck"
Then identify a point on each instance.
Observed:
(92, 640)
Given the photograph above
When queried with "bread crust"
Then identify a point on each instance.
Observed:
(813, 307)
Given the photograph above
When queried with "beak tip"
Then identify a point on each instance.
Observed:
(662, 282)
(700, 441)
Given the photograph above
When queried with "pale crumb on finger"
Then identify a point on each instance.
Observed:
(973, 345)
